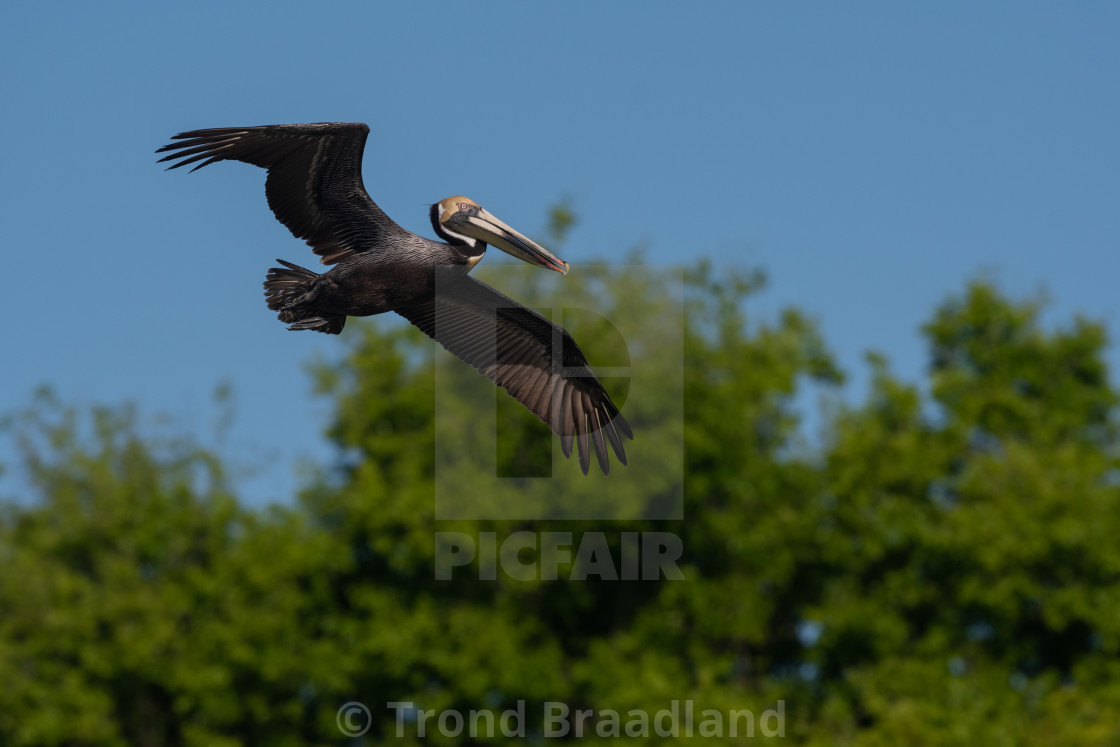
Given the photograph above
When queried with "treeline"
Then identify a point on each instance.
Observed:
(941, 567)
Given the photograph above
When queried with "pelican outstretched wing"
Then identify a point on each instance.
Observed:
(534, 360)
(314, 183)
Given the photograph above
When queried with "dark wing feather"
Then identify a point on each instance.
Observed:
(533, 359)
(314, 183)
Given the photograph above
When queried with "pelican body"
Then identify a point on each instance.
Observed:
(314, 187)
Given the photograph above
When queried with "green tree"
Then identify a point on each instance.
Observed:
(972, 589)
(617, 644)
(942, 569)
(141, 604)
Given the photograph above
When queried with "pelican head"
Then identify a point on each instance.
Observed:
(462, 221)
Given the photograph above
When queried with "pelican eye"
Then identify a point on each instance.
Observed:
(464, 207)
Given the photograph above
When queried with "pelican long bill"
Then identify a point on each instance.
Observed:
(482, 225)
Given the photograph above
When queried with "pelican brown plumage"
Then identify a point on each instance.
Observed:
(314, 187)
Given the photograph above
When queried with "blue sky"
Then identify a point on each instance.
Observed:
(870, 157)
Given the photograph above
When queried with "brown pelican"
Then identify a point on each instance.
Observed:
(314, 187)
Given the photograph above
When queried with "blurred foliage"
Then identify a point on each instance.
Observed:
(942, 569)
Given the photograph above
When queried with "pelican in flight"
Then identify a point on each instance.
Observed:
(314, 187)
